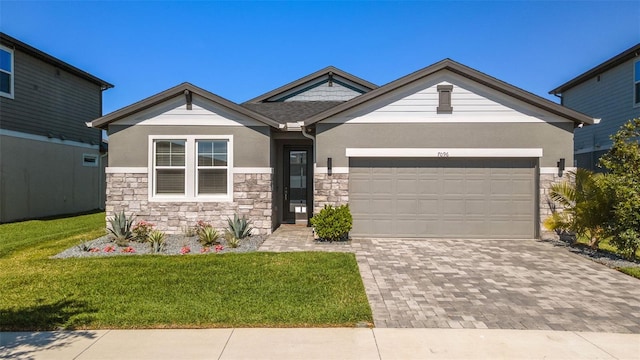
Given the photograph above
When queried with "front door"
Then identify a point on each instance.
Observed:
(298, 187)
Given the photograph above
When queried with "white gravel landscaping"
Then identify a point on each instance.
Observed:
(174, 246)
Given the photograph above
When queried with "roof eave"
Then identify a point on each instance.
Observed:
(477, 76)
(17, 44)
(624, 56)
(102, 122)
(311, 77)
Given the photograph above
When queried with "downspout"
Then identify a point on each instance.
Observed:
(313, 180)
(103, 181)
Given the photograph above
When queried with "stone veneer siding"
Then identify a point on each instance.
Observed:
(251, 197)
(546, 181)
(330, 189)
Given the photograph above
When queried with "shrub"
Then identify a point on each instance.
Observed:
(240, 228)
(208, 236)
(142, 229)
(586, 206)
(333, 224)
(157, 241)
(120, 228)
(623, 163)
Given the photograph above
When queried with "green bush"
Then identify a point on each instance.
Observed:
(586, 205)
(120, 228)
(240, 228)
(623, 164)
(333, 223)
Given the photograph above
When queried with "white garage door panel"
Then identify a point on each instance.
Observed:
(449, 198)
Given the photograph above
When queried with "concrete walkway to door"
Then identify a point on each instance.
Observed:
(495, 284)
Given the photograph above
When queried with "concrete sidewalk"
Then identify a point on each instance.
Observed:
(325, 343)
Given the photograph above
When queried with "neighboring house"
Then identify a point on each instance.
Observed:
(610, 91)
(49, 160)
(445, 152)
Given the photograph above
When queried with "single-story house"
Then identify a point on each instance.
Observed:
(444, 152)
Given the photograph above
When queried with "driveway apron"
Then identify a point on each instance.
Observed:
(495, 284)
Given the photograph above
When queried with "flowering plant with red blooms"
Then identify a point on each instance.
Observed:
(185, 250)
(219, 248)
(109, 248)
(205, 250)
(94, 250)
(142, 229)
(128, 249)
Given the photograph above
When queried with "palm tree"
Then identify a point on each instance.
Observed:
(585, 205)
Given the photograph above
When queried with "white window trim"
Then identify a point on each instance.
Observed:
(633, 91)
(12, 73)
(190, 170)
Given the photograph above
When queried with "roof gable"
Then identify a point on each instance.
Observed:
(184, 90)
(623, 57)
(340, 85)
(466, 72)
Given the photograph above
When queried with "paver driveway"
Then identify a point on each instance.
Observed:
(519, 284)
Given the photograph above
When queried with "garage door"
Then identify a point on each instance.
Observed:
(443, 198)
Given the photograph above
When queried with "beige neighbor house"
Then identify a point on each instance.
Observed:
(446, 152)
(50, 162)
(610, 91)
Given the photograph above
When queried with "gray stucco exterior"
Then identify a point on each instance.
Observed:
(129, 145)
(553, 138)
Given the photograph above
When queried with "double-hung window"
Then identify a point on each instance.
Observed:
(190, 168)
(6, 72)
(636, 84)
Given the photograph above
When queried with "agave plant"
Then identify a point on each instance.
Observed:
(240, 228)
(231, 239)
(585, 203)
(208, 236)
(120, 228)
(157, 241)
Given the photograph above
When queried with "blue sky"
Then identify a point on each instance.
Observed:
(239, 50)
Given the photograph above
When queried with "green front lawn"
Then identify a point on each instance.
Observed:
(223, 290)
(604, 245)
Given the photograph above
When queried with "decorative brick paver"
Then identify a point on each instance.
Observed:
(495, 284)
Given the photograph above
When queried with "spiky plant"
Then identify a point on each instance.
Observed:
(120, 228)
(240, 227)
(157, 241)
(208, 236)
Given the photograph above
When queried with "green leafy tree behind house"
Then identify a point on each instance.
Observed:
(623, 180)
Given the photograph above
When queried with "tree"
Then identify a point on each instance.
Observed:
(585, 203)
(623, 164)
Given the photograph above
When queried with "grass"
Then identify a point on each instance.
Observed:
(606, 246)
(224, 290)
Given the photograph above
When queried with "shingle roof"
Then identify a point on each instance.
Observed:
(291, 111)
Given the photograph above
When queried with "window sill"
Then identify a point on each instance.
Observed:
(186, 199)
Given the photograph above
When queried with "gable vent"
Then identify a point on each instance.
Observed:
(444, 99)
